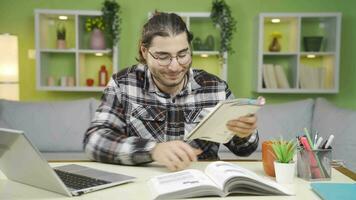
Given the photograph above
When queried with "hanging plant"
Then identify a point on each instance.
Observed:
(112, 20)
(222, 18)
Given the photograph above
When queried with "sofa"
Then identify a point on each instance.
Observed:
(289, 119)
(57, 128)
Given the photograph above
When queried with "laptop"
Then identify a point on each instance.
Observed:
(20, 161)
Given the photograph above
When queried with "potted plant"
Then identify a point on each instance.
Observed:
(112, 20)
(284, 164)
(61, 35)
(95, 25)
(222, 18)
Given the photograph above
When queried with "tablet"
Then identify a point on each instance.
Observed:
(213, 126)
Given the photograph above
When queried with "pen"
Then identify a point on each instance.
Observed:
(330, 139)
(308, 137)
(318, 143)
(315, 139)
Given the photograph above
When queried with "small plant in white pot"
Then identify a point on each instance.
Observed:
(61, 35)
(284, 164)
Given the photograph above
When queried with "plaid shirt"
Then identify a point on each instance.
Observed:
(134, 115)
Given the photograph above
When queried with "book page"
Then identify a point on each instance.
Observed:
(183, 184)
(245, 181)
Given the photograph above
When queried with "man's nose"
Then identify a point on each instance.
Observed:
(174, 66)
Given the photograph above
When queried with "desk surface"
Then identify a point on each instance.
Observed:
(10, 190)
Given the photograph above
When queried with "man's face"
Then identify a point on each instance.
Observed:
(161, 58)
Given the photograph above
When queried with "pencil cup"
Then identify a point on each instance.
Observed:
(314, 165)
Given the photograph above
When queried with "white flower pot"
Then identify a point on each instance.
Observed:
(285, 172)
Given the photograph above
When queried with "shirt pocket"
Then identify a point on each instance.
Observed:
(148, 122)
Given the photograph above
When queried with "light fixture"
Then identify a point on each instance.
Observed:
(275, 20)
(9, 78)
(204, 55)
(63, 17)
(99, 54)
(311, 56)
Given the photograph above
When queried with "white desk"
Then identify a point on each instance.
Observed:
(139, 190)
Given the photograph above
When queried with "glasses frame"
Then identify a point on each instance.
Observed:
(171, 58)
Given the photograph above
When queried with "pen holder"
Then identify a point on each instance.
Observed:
(314, 165)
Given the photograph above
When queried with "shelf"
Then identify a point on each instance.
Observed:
(202, 53)
(68, 89)
(298, 67)
(280, 53)
(57, 50)
(105, 51)
(67, 69)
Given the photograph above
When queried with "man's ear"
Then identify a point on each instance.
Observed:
(144, 52)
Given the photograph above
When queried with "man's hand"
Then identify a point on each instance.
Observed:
(243, 126)
(175, 155)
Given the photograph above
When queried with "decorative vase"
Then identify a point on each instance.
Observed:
(97, 39)
(274, 46)
(312, 43)
(268, 158)
(61, 44)
(285, 172)
(90, 82)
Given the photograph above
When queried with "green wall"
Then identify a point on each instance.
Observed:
(17, 17)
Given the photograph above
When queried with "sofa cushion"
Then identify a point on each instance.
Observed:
(285, 119)
(51, 126)
(329, 119)
(93, 106)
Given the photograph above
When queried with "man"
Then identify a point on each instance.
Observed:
(146, 109)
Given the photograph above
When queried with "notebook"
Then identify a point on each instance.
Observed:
(335, 191)
(20, 161)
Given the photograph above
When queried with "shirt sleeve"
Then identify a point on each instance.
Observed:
(243, 146)
(106, 139)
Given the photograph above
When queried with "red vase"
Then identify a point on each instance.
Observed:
(97, 39)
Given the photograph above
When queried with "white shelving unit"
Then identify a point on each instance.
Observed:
(305, 71)
(211, 61)
(77, 61)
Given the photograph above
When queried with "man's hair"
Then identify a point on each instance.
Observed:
(164, 25)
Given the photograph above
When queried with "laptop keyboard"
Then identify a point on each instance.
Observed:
(77, 181)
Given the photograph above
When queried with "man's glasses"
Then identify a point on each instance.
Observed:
(166, 59)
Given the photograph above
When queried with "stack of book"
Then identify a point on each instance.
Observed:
(274, 77)
(312, 77)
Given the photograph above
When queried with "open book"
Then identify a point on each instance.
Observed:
(213, 126)
(220, 179)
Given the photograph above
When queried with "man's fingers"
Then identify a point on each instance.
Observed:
(175, 160)
(239, 124)
(189, 150)
(197, 151)
(182, 155)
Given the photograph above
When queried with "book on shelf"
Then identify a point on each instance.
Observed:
(282, 81)
(269, 76)
(274, 76)
(312, 77)
(218, 179)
